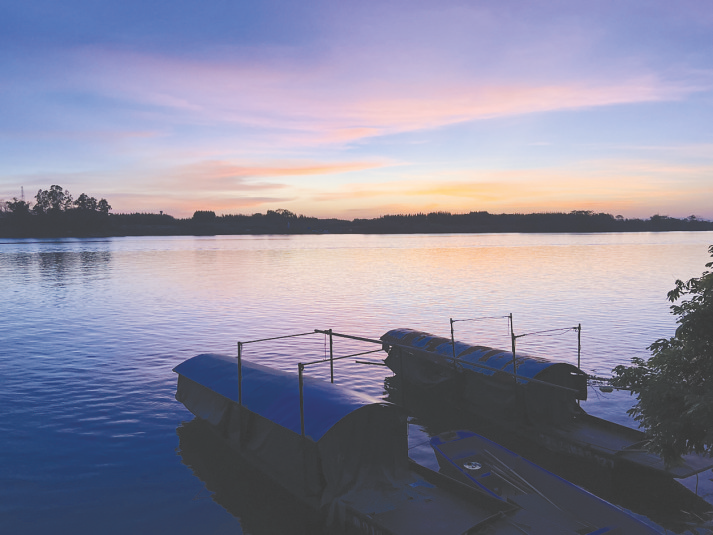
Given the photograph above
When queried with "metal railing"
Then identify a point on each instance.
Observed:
(514, 337)
(240, 359)
(302, 365)
(385, 346)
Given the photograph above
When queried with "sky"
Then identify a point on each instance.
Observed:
(359, 109)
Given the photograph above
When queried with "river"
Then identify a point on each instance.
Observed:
(93, 440)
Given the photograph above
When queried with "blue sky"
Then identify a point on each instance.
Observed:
(358, 109)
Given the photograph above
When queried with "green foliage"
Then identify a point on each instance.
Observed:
(674, 386)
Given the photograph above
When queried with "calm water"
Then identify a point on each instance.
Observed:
(91, 329)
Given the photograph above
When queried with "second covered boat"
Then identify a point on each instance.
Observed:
(531, 396)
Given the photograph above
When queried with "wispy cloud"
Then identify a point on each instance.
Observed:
(313, 105)
(368, 108)
(215, 175)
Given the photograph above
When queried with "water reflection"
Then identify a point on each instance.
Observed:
(262, 506)
(91, 330)
(72, 267)
(59, 268)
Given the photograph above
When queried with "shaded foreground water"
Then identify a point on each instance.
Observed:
(93, 440)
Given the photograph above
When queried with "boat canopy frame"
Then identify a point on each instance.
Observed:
(385, 347)
(302, 365)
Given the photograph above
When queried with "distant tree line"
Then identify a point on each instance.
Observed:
(56, 213)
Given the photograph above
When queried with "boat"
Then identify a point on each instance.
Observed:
(486, 465)
(533, 397)
(344, 455)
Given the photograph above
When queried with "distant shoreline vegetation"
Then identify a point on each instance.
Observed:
(56, 214)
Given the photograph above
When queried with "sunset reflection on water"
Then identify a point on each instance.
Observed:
(92, 329)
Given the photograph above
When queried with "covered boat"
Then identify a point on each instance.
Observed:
(531, 396)
(346, 459)
(346, 455)
(336, 451)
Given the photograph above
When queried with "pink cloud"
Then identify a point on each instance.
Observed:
(321, 104)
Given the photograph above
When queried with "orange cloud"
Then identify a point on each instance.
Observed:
(218, 169)
(634, 188)
(224, 186)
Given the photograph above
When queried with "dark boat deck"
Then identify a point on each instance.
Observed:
(484, 464)
(418, 507)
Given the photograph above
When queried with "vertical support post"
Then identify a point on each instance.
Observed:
(511, 327)
(301, 368)
(579, 345)
(514, 362)
(402, 383)
(453, 339)
(240, 373)
(331, 355)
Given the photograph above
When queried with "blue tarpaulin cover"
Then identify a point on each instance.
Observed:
(351, 439)
(275, 394)
(527, 366)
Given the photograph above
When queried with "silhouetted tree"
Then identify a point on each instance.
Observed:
(18, 207)
(280, 212)
(103, 207)
(85, 202)
(674, 386)
(54, 200)
(204, 215)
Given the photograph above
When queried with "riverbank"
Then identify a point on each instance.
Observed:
(69, 224)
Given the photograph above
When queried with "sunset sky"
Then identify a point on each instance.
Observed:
(359, 109)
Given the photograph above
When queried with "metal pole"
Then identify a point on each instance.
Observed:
(453, 339)
(301, 368)
(240, 373)
(331, 355)
(510, 323)
(401, 377)
(371, 340)
(579, 346)
(512, 341)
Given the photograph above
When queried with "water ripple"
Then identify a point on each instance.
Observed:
(92, 329)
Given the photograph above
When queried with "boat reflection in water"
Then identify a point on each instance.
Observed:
(235, 485)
